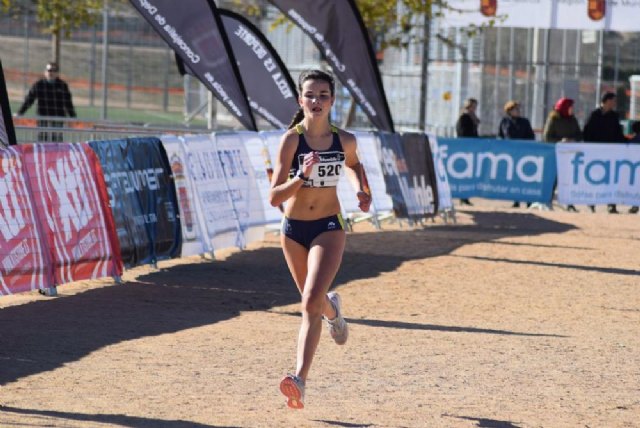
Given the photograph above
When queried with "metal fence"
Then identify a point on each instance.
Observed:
(535, 67)
(74, 131)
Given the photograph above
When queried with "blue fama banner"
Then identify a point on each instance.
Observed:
(499, 169)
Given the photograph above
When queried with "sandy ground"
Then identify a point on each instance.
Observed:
(510, 318)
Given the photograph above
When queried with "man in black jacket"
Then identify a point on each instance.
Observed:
(54, 99)
(515, 127)
(467, 127)
(603, 126)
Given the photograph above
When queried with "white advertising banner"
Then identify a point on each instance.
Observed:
(262, 170)
(272, 142)
(509, 13)
(242, 187)
(207, 176)
(562, 14)
(442, 180)
(369, 154)
(191, 218)
(595, 174)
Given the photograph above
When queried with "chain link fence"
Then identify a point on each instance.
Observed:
(143, 86)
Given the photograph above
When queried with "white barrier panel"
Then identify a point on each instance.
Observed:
(191, 218)
(442, 180)
(593, 174)
(369, 154)
(347, 195)
(214, 201)
(262, 170)
(241, 185)
(272, 141)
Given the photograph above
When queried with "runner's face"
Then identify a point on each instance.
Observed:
(316, 99)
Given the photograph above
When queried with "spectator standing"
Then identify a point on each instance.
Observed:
(562, 126)
(603, 126)
(467, 127)
(54, 100)
(515, 127)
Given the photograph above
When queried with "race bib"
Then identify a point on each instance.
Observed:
(327, 172)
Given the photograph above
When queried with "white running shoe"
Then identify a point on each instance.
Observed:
(293, 388)
(338, 327)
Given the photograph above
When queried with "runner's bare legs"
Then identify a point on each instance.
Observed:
(313, 272)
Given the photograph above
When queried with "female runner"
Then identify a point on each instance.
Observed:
(312, 156)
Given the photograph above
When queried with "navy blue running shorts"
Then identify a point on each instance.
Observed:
(305, 231)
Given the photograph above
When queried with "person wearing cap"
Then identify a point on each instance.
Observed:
(562, 126)
(54, 100)
(515, 127)
(603, 126)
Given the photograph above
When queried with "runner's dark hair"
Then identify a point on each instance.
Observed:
(311, 75)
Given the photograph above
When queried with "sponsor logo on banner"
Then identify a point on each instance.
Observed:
(76, 225)
(597, 9)
(604, 171)
(599, 173)
(475, 165)
(499, 169)
(72, 196)
(488, 7)
(131, 182)
(442, 181)
(420, 175)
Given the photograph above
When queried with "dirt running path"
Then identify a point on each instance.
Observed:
(511, 318)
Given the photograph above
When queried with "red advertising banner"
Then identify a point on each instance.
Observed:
(70, 195)
(23, 258)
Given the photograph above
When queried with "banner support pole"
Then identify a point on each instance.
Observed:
(211, 111)
(105, 58)
(599, 69)
(424, 73)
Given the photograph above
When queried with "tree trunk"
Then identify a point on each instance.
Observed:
(55, 46)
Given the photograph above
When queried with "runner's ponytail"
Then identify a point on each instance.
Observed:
(297, 118)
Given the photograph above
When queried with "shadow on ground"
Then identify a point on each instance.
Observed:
(46, 334)
(432, 327)
(120, 420)
(487, 423)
